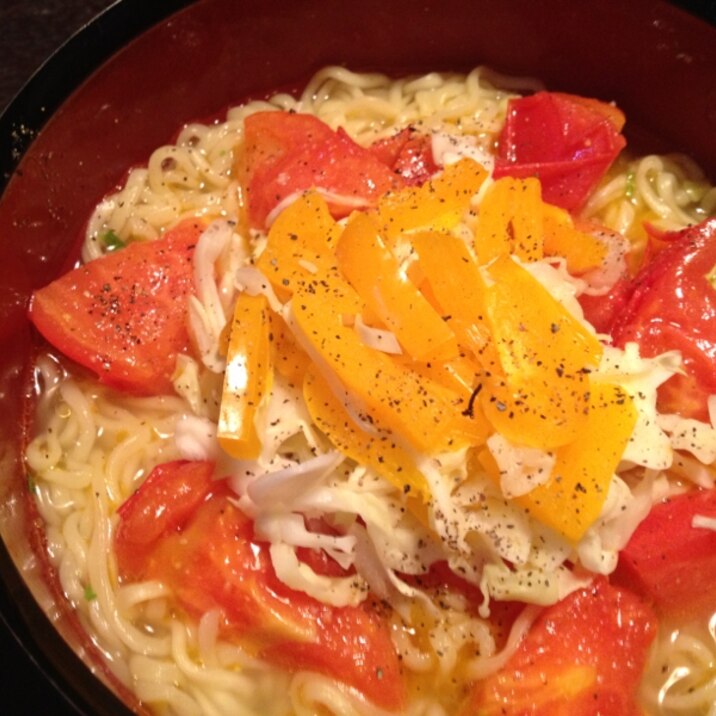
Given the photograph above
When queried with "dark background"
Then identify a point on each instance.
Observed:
(31, 31)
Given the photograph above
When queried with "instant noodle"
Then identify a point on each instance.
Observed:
(363, 409)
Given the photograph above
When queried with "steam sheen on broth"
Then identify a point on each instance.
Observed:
(95, 446)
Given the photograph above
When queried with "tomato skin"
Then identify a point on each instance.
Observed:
(318, 559)
(208, 556)
(567, 141)
(409, 154)
(123, 316)
(163, 504)
(602, 311)
(285, 153)
(672, 305)
(584, 656)
(669, 561)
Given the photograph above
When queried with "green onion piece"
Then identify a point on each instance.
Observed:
(112, 241)
(630, 188)
(90, 594)
(31, 484)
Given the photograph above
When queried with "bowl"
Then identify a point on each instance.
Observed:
(131, 78)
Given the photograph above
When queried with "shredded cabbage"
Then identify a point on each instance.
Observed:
(471, 520)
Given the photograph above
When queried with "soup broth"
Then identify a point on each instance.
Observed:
(401, 537)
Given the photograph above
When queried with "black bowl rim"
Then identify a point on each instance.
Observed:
(60, 75)
(22, 119)
(64, 71)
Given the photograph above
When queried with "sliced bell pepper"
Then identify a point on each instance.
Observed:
(456, 284)
(299, 244)
(376, 450)
(458, 375)
(247, 379)
(438, 204)
(571, 501)
(287, 357)
(582, 251)
(540, 396)
(510, 220)
(377, 277)
(407, 404)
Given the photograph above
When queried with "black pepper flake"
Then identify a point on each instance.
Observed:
(469, 412)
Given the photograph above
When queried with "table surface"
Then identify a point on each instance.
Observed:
(32, 30)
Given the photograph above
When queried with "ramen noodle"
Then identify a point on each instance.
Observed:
(395, 499)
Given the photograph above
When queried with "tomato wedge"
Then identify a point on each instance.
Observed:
(672, 305)
(567, 141)
(677, 573)
(184, 529)
(603, 311)
(409, 154)
(166, 500)
(123, 316)
(285, 153)
(583, 657)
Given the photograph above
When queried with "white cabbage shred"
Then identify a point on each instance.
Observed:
(300, 480)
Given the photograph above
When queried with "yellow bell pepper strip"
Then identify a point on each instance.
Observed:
(457, 375)
(376, 275)
(247, 379)
(407, 404)
(440, 203)
(456, 284)
(510, 220)
(583, 252)
(299, 244)
(571, 501)
(514, 219)
(287, 357)
(376, 450)
(539, 398)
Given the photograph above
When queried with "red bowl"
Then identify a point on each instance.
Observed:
(67, 140)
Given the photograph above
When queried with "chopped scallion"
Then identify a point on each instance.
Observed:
(630, 188)
(112, 241)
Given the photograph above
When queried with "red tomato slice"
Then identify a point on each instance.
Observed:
(672, 305)
(123, 316)
(671, 562)
(164, 503)
(567, 141)
(211, 561)
(285, 153)
(317, 559)
(603, 311)
(583, 657)
(409, 154)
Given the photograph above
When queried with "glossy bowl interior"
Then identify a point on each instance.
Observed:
(120, 89)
